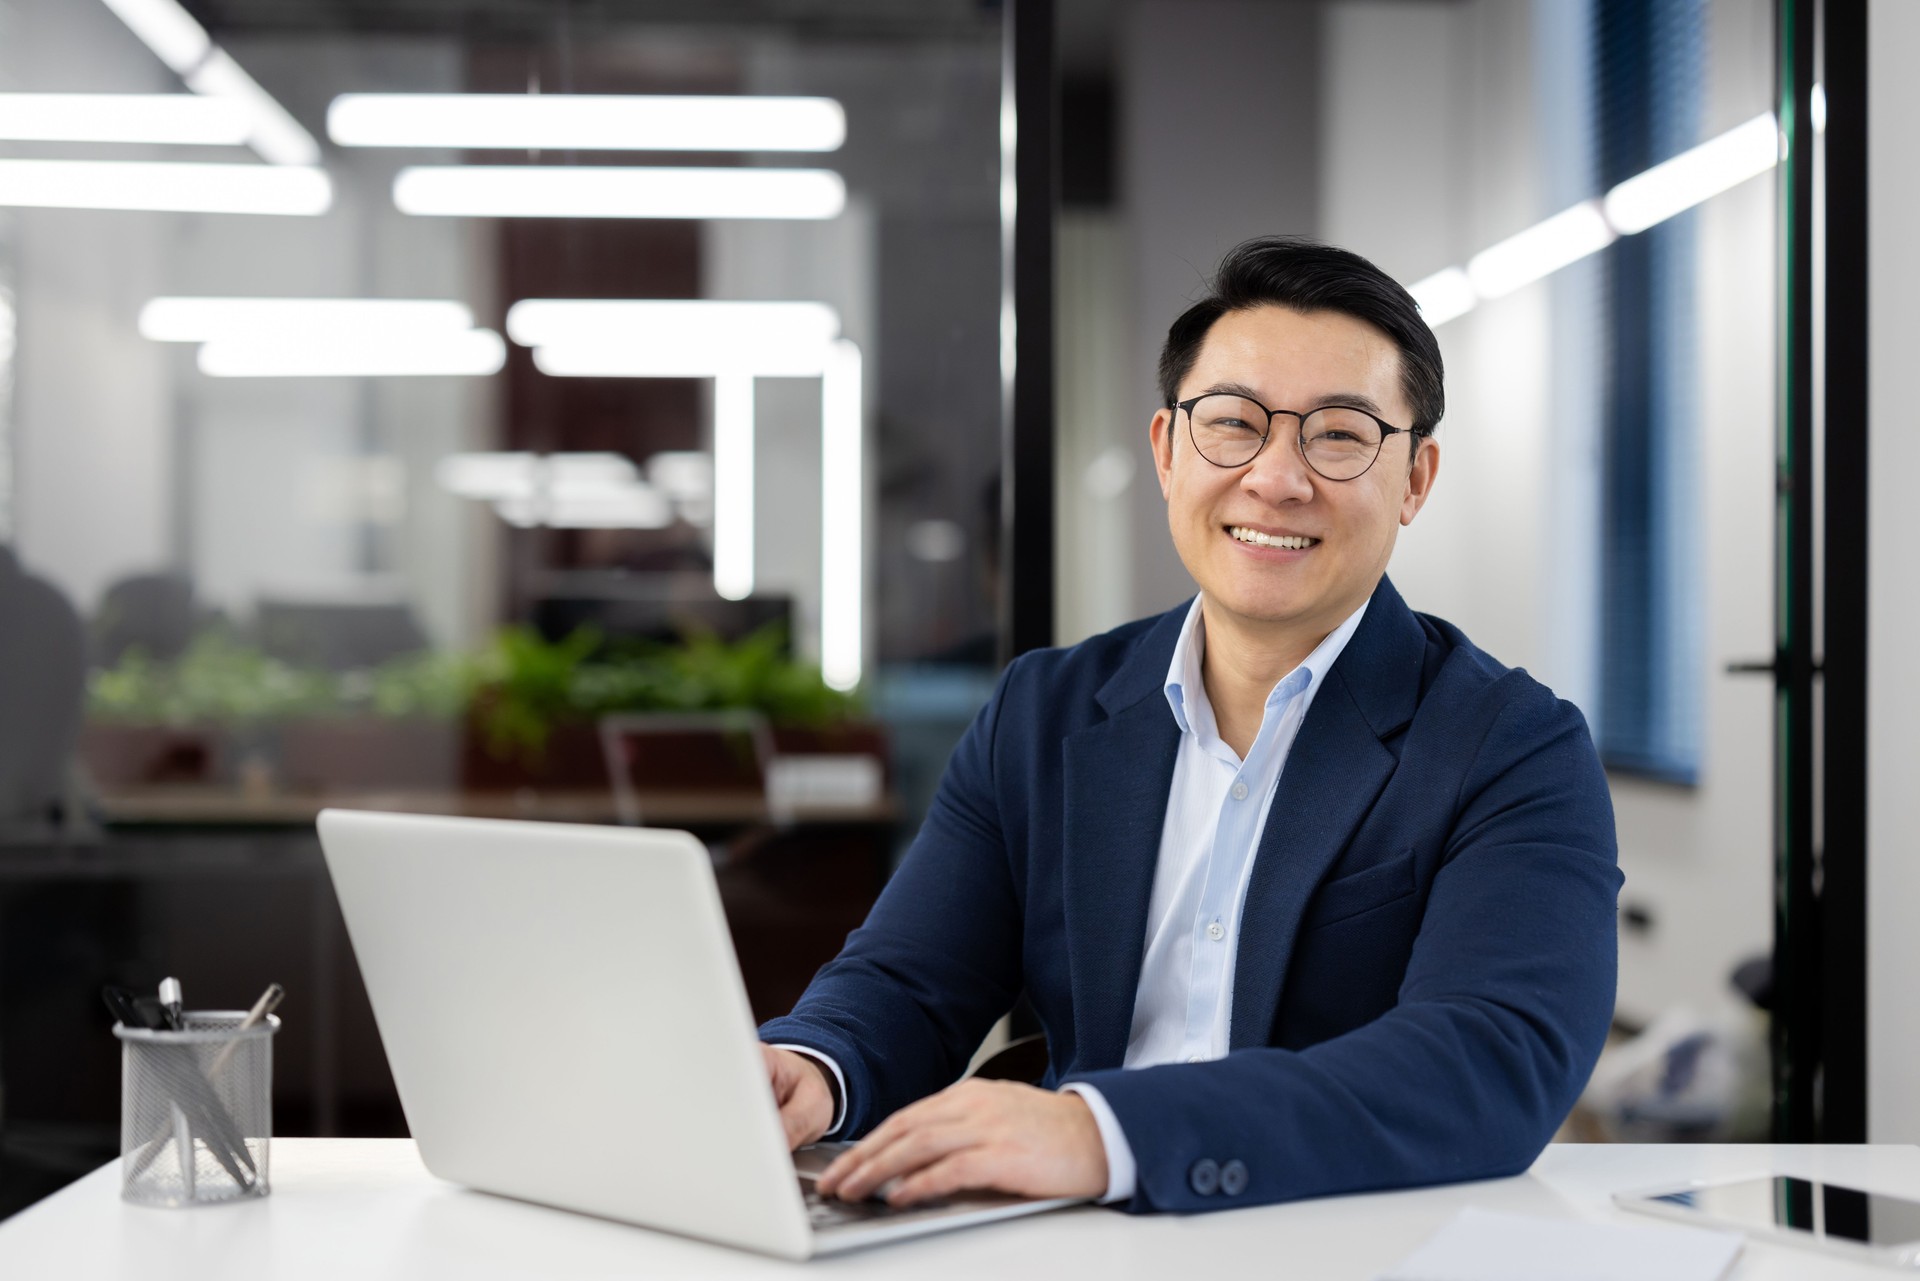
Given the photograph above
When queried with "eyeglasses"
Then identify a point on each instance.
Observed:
(1338, 441)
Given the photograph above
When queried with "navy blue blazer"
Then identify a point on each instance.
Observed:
(1427, 951)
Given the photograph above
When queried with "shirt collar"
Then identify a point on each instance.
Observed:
(1187, 693)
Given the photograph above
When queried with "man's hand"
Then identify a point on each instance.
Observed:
(800, 1088)
(997, 1135)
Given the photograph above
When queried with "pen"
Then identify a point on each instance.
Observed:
(269, 999)
(170, 1001)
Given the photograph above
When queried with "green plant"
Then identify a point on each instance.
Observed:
(429, 685)
(219, 679)
(527, 684)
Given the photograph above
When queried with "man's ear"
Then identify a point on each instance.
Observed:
(1420, 477)
(1160, 435)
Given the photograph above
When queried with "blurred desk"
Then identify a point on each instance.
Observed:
(352, 1208)
(196, 805)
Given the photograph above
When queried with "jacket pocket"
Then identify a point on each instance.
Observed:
(1348, 897)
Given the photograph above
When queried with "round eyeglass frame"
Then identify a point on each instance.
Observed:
(1300, 437)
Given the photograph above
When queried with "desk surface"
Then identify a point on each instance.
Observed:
(366, 1208)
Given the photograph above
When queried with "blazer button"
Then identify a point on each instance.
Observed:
(1233, 1178)
(1204, 1177)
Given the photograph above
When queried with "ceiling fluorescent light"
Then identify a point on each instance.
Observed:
(597, 191)
(175, 188)
(212, 319)
(167, 29)
(273, 133)
(843, 503)
(636, 506)
(733, 492)
(476, 353)
(584, 122)
(1676, 185)
(1443, 296)
(163, 118)
(674, 338)
(517, 475)
(1540, 250)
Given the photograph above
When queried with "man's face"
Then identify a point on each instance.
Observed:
(1289, 360)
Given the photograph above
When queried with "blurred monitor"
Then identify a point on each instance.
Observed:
(337, 635)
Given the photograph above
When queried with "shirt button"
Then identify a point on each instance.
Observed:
(1196, 1058)
(1216, 931)
(1239, 791)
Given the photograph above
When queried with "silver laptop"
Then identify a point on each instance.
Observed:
(566, 1023)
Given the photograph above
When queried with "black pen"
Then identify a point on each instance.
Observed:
(170, 1001)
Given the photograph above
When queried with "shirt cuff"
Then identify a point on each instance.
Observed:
(839, 1085)
(1121, 1170)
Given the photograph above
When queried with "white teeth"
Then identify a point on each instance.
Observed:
(1254, 536)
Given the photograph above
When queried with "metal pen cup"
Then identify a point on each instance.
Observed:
(196, 1110)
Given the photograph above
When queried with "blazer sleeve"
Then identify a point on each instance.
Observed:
(910, 997)
(1501, 1014)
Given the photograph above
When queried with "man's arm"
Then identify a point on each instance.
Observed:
(911, 996)
(1500, 1016)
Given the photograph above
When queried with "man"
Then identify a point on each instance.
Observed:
(1310, 895)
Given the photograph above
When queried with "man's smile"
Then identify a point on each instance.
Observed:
(1253, 537)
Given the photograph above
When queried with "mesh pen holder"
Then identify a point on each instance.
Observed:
(196, 1110)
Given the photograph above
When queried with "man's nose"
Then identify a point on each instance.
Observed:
(1278, 472)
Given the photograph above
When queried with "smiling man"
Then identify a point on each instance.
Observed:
(1310, 895)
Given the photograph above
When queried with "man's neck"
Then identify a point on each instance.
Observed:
(1242, 662)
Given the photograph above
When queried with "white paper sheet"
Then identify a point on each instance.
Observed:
(1479, 1245)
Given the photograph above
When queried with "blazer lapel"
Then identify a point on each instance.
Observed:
(1117, 775)
(1334, 771)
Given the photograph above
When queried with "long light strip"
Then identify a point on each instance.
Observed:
(674, 338)
(178, 40)
(1540, 250)
(586, 122)
(178, 319)
(167, 29)
(606, 191)
(477, 352)
(842, 511)
(181, 119)
(733, 486)
(1676, 185)
(1642, 201)
(1443, 296)
(276, 135)
(174, 188)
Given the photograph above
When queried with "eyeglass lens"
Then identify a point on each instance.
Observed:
(1338, 443)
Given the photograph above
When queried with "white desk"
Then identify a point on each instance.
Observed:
(367, 1209)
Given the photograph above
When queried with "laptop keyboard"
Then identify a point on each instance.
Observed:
(832, 1212)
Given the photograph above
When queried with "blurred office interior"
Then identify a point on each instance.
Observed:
(693, 448)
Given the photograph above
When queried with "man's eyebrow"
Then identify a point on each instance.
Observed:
(1352, 399)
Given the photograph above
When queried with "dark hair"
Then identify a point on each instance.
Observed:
(1305, 275)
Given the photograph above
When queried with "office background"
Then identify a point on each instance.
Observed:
(367, 586)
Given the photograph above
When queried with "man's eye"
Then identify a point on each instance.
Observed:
(1231, 424)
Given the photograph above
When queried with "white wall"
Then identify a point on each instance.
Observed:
(1475, 104)
(1219, 110)
(1893, 800)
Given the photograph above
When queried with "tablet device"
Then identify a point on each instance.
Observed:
(1841, 1220)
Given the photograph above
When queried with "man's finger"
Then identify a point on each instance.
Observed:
(944, 1108)
(971, 1167)
(911, 1152)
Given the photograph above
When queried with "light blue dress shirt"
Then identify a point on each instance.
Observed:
(1217, 808)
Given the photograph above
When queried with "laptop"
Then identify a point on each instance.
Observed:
(565, 1021)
